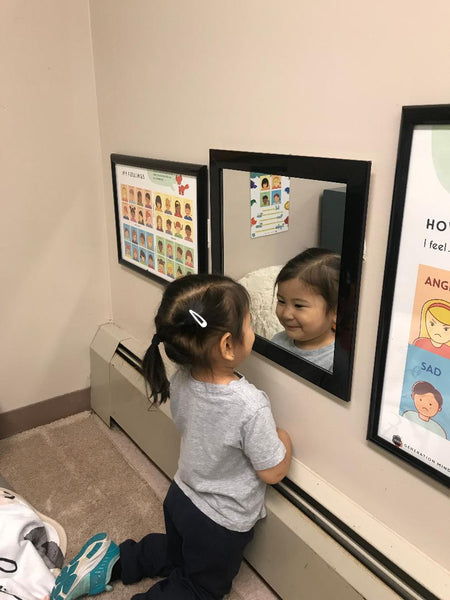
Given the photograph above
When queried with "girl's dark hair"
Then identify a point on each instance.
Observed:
(318, 268)
(220, 301)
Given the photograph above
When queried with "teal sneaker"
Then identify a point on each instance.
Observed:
(89, 572)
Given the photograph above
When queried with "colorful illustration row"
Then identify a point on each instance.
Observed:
(169, 226)
(161, 245)
(146, 239)
(160, 202)
(160, 264)
(271, 198)
(270, 181)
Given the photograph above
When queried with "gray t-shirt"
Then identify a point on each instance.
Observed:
(322, 357)
(227, 434)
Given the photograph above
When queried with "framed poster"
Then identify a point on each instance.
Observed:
(410, 404)
(161, 216)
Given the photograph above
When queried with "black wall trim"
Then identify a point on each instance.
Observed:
(286, 490)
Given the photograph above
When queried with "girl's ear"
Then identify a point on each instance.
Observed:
(226, 346)
(334, 316)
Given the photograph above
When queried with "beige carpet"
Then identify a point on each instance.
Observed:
(71, 471)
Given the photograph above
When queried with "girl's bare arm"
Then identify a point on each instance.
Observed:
(276, 473)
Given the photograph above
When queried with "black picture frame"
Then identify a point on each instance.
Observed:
(400, 359)
(163, 255)
(355, 174)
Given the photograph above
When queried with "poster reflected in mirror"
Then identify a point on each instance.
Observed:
(161, 216)
(269, 204)
(410, 405)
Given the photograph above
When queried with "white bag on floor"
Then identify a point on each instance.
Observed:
(31, 549)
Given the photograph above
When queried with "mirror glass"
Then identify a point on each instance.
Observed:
(321, 204)
(316, 218)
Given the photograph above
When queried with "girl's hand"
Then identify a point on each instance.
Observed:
(276, 473)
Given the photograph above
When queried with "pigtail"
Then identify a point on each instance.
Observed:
(154, 372)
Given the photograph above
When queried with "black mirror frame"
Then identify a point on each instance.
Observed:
(355, 174)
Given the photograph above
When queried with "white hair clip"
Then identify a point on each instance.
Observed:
(198, 318)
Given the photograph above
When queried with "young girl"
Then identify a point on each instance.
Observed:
(307, 298)
(230, 449)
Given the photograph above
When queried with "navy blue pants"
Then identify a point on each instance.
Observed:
(198, 558)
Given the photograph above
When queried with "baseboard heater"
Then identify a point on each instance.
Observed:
(379, 564)
(302, 549)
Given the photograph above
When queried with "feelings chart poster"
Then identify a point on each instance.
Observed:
(426, 381)
(269, 204)
(158, 220)
(415, 408)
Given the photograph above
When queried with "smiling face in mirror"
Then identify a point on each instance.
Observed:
(266, 210)
(307, 295)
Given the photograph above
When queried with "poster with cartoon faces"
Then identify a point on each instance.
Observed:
(158, 220)
(415, 403)
(426, 388)
(269, 204)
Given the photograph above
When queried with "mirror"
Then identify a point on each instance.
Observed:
(267, 209)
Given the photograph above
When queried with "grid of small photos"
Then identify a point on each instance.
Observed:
(158, 229)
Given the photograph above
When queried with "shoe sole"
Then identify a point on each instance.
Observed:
(67, 584)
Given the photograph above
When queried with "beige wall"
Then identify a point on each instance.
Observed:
(53, 269)
(318, 78)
